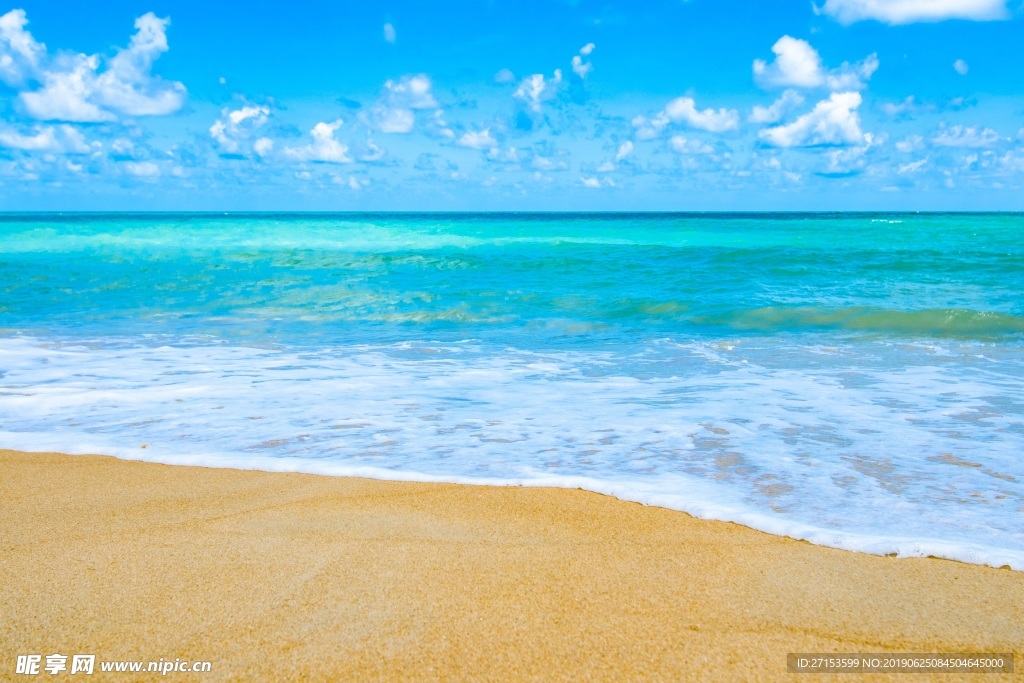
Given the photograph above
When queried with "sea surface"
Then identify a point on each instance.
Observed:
(855, 380)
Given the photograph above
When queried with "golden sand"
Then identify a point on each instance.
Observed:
(298, 577)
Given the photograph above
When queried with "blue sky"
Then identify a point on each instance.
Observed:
(472, 105)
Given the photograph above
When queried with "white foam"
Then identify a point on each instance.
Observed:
(875, 447)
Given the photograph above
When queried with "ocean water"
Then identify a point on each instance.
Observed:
(855, 380)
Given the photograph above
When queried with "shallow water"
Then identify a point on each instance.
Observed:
(853, 379)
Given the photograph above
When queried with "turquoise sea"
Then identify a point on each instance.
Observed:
(856, 380)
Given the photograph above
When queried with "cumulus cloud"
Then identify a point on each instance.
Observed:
(798, 65)
(54, 139)
(234, 128)
(20, 54)
(534, 90)
(777, 109)
(843, 163)
(371, 152)
(548, 163)
(263, 146)
(579, 67)
(832, 122)
(509, 156)
(682, 145)
(85, 88)
(625, 150)
(478, 139)
(324, 148)
(960, 66)
(596, 183)
(683, 110)
(410, 92)
(912, 11)
(389, 33)
(141, 169)
(396, 120)
(396, 109)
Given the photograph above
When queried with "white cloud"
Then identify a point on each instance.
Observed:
(396, 109)
(960, 66)
(508, 156)
(912, 167)
(911, 11)
(75, 88)
(911, 143)
(253, 113)
(372, 152)
(263, 146)
(682, 145)
(67, 94)
(235, 127)
(845, 162)
(324, 147)
(625, 150)
(123, 147)
(396, 120)
(141, 169)
(535, 89)
(350, 182)
(684, 110)
(544, 163)
(960, 136)
(56, 139)
(439, 126)
(592, 183)
(127, 86)
(579, 67)
(779, 108)
(410, 92)
(20, 54)
(389, 33)
(478, 139)
(909, 104)
(797, 64)
(504, 76)
(832, 122)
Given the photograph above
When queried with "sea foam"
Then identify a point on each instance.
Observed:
(828, 444)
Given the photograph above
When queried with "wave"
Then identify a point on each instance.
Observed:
(954, 323)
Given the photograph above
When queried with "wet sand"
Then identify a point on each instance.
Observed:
(298, 577)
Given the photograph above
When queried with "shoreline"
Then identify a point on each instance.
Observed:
(292, 576)
(877, 545)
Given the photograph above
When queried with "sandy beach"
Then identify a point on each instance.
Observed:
(297, 577)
